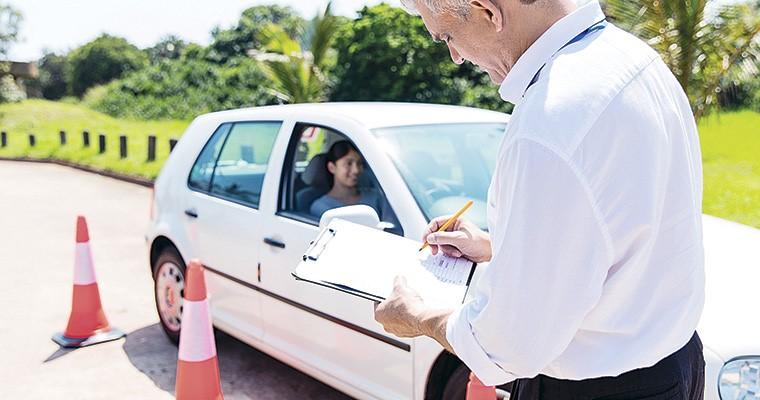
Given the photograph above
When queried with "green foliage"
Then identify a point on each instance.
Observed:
(10, 19)
(52, 81)
(183, 89)
(233, 42)
(387, 54)
(299, 76)
(102, 60)
(703, 51)
(9, 91)
(168, 48)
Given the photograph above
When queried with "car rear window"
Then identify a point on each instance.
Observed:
(203, 169)
(242, 163)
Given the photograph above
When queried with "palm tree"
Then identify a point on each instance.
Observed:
(298, 75)
(705, 50)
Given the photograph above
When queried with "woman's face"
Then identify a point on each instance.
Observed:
(348, 169)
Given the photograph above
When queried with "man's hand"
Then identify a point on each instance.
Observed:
(399, 313)
(462, 238)
(404, 314)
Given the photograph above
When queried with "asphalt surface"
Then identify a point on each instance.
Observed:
(39, 204)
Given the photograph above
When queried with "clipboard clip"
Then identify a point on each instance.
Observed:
(318, 245)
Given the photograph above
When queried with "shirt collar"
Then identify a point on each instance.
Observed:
(518, 78)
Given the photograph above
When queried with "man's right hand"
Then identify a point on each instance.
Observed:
(461, 239)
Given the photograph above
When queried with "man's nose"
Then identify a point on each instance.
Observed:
(458, 60)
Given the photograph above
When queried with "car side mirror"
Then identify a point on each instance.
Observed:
(358, 214)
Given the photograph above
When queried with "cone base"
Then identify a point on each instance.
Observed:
(100, 337)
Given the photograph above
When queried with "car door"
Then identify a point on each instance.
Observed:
(223, 215)
(327, 329)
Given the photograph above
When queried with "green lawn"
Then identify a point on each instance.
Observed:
(730, 149)
(731, 162)
(45, 118)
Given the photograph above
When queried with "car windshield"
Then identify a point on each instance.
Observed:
(444, 165)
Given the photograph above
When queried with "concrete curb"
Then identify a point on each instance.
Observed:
(115, 175)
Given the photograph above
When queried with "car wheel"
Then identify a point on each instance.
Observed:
(456, 387)
(169, 291)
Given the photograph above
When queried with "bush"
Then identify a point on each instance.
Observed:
(9, 91)
(100, 61)
(182, 89)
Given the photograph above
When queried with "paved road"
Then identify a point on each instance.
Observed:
(38, 208)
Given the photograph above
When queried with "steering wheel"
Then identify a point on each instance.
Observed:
(438, 189)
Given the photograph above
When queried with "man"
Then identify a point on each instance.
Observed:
(596, 281)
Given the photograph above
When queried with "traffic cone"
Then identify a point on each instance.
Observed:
(87, 322)
(476, 390)
(197, 367)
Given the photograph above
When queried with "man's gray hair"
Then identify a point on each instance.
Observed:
(460, 8)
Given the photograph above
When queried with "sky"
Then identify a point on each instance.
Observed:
(62, 25)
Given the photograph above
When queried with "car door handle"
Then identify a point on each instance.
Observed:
(274, 243)
(190, 212)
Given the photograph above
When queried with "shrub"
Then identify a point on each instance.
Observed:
(182, 89)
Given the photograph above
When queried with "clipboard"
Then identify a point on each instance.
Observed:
(363, 262)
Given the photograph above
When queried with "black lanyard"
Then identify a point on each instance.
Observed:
(591, 29)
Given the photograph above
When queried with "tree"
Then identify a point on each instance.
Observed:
(170, 47)
(52, 81)
(185, 88)
(10, 19)
(702, 50)
(387, 54)
(298, 75)
(228, 43)
(102, 60)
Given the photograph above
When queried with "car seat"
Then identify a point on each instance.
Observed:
(317, 180)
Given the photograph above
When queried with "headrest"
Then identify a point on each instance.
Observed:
(316, 173)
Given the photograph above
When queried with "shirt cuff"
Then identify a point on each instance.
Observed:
(462, 340)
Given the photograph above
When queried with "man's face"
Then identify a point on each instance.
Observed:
(474, 39)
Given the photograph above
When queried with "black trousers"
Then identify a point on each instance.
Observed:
(680, 376)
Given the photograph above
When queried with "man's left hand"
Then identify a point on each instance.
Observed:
(400, 313)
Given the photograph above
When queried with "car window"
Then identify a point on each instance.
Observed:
(239, 171)
(203, 169)
(306, 180)
(444, 165)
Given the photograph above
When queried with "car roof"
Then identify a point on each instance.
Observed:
(370, 114)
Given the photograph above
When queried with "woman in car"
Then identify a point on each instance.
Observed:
(345, 166)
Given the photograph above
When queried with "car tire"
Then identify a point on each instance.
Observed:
(456, 387)
(168, 291)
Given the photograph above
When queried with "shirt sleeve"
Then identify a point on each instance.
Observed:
(550, 256)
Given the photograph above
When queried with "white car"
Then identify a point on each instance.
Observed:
(236, 194)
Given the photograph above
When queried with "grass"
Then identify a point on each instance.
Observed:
(731, 165)
(46, 118)
(730, 149)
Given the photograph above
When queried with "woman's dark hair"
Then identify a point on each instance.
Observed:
(337, 151)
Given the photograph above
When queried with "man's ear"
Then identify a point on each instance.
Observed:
(491, 11)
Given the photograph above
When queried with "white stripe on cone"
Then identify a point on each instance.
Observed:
(196, 339)
(84, 272)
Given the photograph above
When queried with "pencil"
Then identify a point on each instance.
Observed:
(449, 222)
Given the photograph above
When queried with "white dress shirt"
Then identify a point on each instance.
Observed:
(594, 213)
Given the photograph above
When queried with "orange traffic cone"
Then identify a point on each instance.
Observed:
(197, 367)
(87, 322)
(476, 390)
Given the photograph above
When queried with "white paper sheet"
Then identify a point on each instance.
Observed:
(368, 260)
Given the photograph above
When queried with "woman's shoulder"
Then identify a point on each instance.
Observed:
(371, 194)
(322, 204)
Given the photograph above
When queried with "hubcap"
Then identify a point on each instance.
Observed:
(170, 287)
